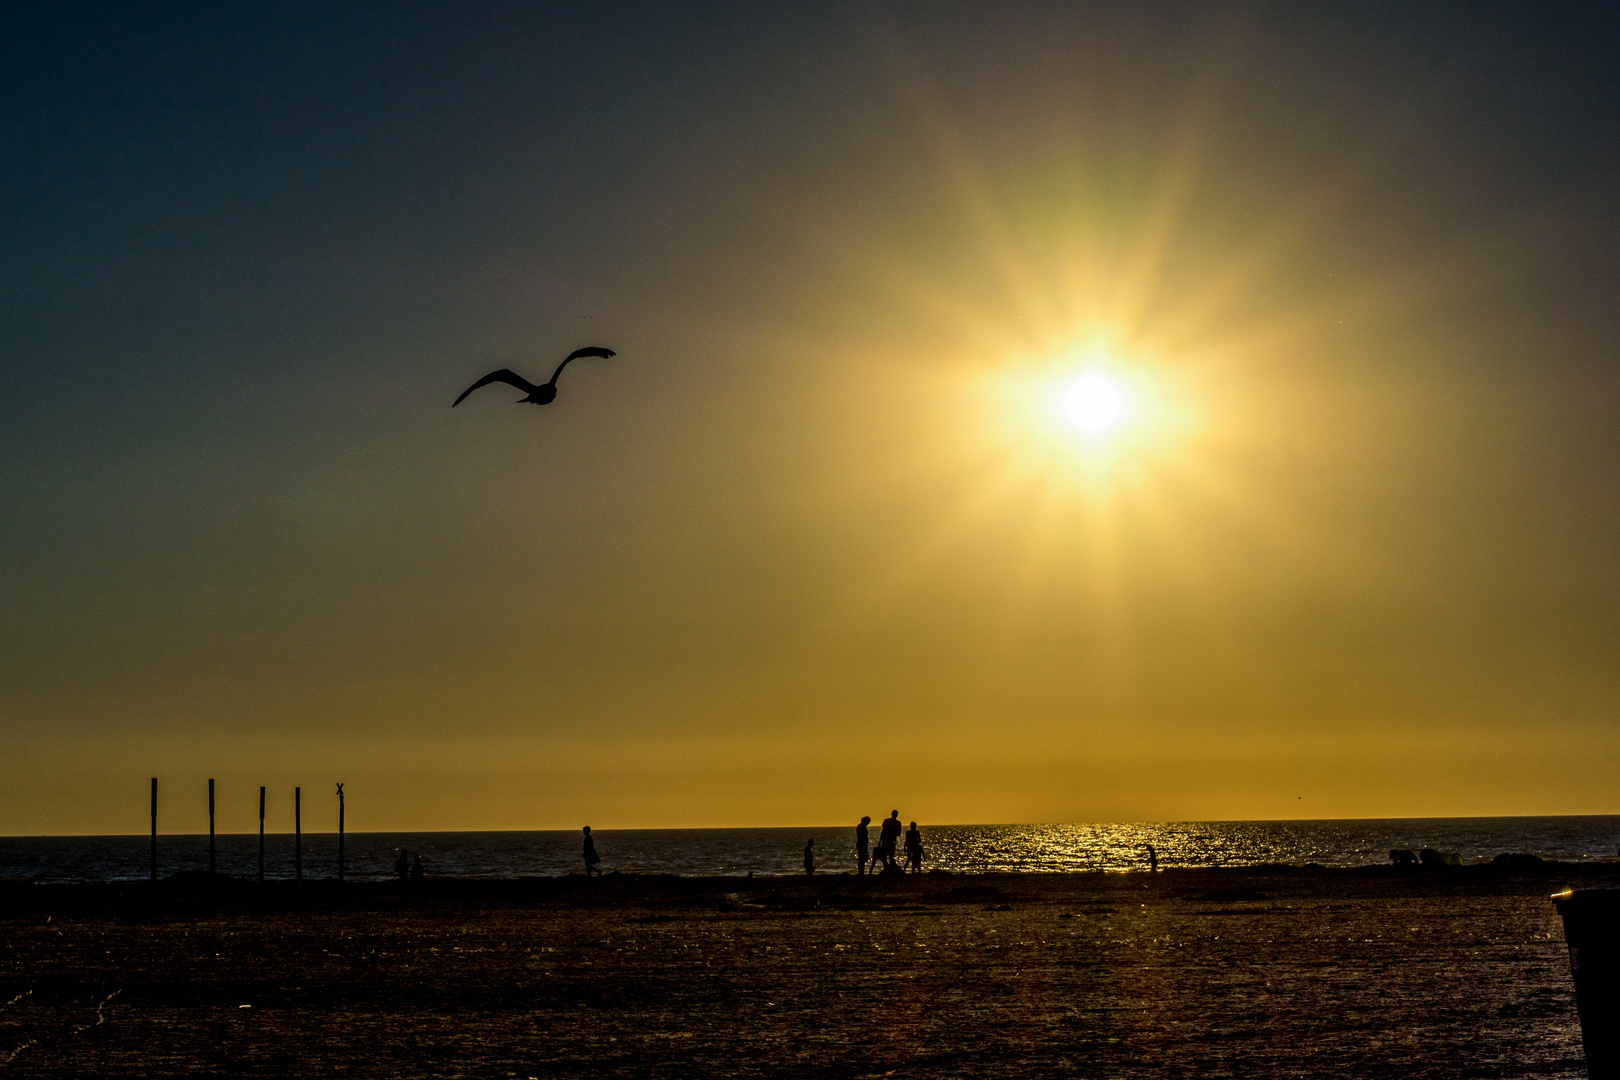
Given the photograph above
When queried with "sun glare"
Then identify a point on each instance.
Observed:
(1093, 403)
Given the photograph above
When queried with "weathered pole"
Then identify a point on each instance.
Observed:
(261, 834)
(340, 832)
(210, 827)
(154, 830)
(298, 833)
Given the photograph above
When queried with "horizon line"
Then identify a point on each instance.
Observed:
(841, 825)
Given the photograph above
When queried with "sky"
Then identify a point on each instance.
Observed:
(818, 541)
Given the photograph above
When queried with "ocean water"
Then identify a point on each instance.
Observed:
(961, 848)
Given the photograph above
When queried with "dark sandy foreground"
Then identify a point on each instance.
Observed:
(1193, 973)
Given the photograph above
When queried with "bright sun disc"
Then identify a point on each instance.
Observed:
(1093, 403)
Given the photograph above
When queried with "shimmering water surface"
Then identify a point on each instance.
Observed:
(1033, 848)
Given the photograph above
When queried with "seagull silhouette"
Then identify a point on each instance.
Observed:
(545, 393)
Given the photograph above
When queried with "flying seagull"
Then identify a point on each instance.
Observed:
(545, 393)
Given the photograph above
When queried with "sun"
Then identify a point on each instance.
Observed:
(1093, 403)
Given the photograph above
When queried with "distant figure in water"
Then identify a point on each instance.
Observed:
(861, 846)
(591, 857)
(417, 872)
(810, 857)
(914, 849)
(891, 837)
(402, 865)
(1153, 860)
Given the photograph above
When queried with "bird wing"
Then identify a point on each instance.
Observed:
(505, 375)
(589, 350)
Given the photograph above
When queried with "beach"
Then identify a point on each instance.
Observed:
(1269, 971)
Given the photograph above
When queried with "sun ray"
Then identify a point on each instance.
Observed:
(1212, 345)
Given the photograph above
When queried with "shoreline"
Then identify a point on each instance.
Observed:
(200, 892)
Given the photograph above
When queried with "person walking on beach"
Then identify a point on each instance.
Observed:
(1153, 860)
(810, 857)
(914, 849)
(591, 857)
(861, 846)
(402, 865)
(891, 837)
(417, 871)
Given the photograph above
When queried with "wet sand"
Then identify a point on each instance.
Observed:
(1265, 972)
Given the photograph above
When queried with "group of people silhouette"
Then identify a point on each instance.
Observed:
(888, 841)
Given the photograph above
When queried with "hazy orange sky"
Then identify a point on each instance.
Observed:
(818, 541)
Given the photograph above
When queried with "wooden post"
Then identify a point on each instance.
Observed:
(154, 830)
(210, 827)
(340, 833)
(261, 834)
(298, 833)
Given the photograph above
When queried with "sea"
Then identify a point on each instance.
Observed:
(740, 852)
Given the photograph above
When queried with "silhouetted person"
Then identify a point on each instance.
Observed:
(545, 393)
(891, 837)
(1153, 860)
(402, 865)
(591, 857)
(417, 872)
(861, 845)
(810, 857)
(914, 849)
